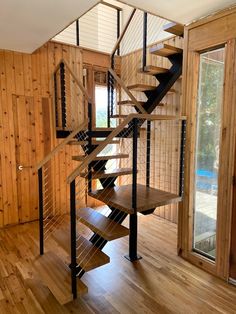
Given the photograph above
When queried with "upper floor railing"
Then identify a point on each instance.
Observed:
(71, 99)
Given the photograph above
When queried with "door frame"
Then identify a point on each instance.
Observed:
(201, 36)
(232, 262)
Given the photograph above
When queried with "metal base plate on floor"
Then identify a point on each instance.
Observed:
(138, 257)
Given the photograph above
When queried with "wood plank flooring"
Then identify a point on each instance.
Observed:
(161, 282)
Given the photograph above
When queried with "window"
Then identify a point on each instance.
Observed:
(101, 106)
(210, 96)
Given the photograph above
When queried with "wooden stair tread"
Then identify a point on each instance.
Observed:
(102, 157)
(119, 116)
(57, 277)
(88, 256)
(130, 103)
(101, 225)
(141, 87)
(152, 70)
(75, 142)
(165, 50)
(104, 129)
(97, 142)
(174, 28)
(147, 198)
(109, 173)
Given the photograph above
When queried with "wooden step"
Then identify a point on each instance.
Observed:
(60, 128)
(109, 173)
(147, 198)
(174, 28)
(165, 50)
(130, 103)
(152, 70)
(101, 225)
(56, 275)
(97, 142)
(141, 87)
(104, 129)
(88, 256)
(75, 142)
(102, 157)
(119, 116)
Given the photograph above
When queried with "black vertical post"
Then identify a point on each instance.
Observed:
(133, 223)
(40, 186)
(112, 96)
(63, 95)
(134, 161)
(90, 116)
(182, 153)
(144, 40)
(113, 61)
(148, 153)
(77, 32)
(118, 29)
(73, 239)
(108, 100)
(55, 99)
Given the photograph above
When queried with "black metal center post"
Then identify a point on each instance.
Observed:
(133, 222)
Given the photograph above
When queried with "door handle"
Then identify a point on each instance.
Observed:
(20, 167)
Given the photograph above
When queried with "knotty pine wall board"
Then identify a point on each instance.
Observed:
(29, 78)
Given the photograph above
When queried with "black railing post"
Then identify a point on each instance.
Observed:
(144, 40)
(73, 264)
(40, 187)
(113, 61)
(55, 99)
(77, 32)
(112, 96)
(148, 153)
(90, 124)
(133, 223)
(118, 29)
(182, 153)
(63, 95)
(134, 162)
(108, 100)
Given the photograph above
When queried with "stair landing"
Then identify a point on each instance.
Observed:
(120, 197)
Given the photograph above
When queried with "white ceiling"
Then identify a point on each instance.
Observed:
(182, 11)
(27, 24)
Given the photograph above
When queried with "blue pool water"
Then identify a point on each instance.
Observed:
(206, 181)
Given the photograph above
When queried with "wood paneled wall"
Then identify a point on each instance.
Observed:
(130, 64)
(27, 131)
(29, 78)
(26, 121)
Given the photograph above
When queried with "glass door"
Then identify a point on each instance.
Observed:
(207, 150)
